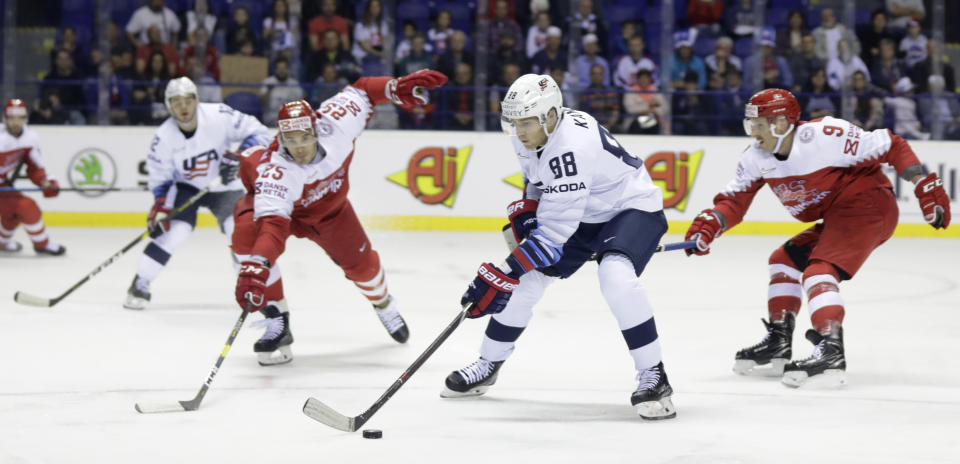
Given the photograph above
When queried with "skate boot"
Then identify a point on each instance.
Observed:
(51, 249)
(138, 295)
(826, 366)
(473, 380)
(768, 357)
(10, 247)
(274, 346)
(391, 320)
(652, 397)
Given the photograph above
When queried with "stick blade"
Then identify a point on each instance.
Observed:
(161, 406)
(316, 410)
(32, 300)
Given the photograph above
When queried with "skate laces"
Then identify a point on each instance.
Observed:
(274, 326)
(391, 319)
(769, 326)
(476, 371)
(817, 351)
(648, 378)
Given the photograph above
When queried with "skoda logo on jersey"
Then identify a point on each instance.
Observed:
(197, 165)
(92, 168)
(433, 174)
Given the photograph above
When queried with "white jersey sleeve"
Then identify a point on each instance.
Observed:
(160, 165)
(350, 110)
(279, 184)
(242, 125)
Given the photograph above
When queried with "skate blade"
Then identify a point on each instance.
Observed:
(656, 410)
(282, 355)
(830, 378)
(133, 302)
(750, 368)
(476, 391)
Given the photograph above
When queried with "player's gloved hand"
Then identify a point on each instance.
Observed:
(523, 218)
(705, 227)
(934, 201)
(489, 292)
(229, 166)
(157, 221)
(410, 89)
(252, 284)
(51, 188)
(254, 140)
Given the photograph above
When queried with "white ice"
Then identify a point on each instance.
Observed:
(70, 375)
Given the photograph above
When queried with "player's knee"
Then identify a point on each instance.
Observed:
(820, 268)
(364, 269)
(616, 272)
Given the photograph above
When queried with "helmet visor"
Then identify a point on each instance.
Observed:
(510, 112)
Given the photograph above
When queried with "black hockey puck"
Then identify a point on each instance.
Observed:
(372, 433)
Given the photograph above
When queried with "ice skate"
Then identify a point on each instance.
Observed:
(826, 367)
(652, 396)
(392, 321)
(473, 380)
(10, 247)
(138, 295)
(768, 357)
(51, 249)
(274, 346)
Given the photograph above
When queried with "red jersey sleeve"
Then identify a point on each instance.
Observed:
(378, 89)
(734, 200)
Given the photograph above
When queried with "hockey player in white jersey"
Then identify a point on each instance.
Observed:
(184, 158)
(586, 198)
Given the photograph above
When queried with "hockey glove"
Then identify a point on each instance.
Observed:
(489, 292)
(51, 188)
(254, 140)
(523, 218)
(704, 229)
(229, 167)
(934, 201)
(252, 284)
(410, 89)
(157, 221)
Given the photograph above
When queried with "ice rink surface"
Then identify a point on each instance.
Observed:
(70, 375)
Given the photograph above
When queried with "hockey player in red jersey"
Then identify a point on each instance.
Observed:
(20, 145)
(298, 186)
(825, 170)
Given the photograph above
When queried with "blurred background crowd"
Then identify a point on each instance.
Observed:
(638, 66)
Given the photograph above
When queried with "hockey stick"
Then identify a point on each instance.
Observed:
(512, 242)
(194, 404)
(317, 410)
(33, 300)
(72, 189)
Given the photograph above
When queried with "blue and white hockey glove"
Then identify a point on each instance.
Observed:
(489, 292)
(229, 167)
(533, 253)
(253, 140)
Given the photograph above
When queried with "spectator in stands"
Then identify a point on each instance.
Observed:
(600, 101)
(689, 106)
(458, 102)
(328, 19)
(815, 99)
(946, 109)
(48, 110)
(328, 84)
(790, 40)
(740, 18)
(829, 33)
(735, 81)
(588, 59)
(871, 35)
(888, 69)
(277, 90)
(914, 45)
(239, 31)
(153, 14)
(281, 32)
(840, 69)
(208, 90)
(723, 59)
(625, 76)
(804, 64)
(206, 54)
(403, 47)
(68, 43)
(418, 58)
(904, 108)
(156, 45)
(246, 48)
(642, 105)
(774, 68)
(200, 16)
(121, 53)
(588, 20)
(537, 35)
(501, 25)
(867, 103)
(447, 62)
(511, 72)
(332, 54)
(684, 60)
(922, 71)
(552, 56)
(147, 104)
(507, 54)
(66, 83)
(702, 13)
(368, 38)
(903, 11)
(559, 76)
(439, 35)
(621, 46)
(719, 109)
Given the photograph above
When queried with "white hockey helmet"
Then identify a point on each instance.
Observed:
(177, 87)
(531, 95)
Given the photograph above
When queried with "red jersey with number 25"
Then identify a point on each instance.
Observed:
(831, 159)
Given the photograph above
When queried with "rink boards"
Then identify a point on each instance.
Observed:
(431, 180)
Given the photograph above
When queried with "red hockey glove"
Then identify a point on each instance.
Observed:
(410, 88)
(705, 227)
(489, 292)
(157, 221)
(523, 218)
(934, 201)
(252, 284)
(51, 188)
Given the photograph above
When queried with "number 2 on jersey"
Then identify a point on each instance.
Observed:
(613, 147)
(272, 170)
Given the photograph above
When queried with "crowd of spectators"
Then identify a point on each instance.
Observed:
(598, 53)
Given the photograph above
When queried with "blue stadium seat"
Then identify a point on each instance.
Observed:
(78, 6)
(415, 11)
(743, 47)
(79, 21)
(463, 15)
(179, 6)
(245, 102)
(122, 10)
(219, 8)
(704, 46)
(778, 17)
(813, 18)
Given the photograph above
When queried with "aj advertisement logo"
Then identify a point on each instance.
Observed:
(673, 172)
(92, 168)
(433, 174)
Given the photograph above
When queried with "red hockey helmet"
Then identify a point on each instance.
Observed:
(296, 115)
(771, 103)
(15, 107)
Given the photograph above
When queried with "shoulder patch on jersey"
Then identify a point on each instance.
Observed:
(324, 128)
(806, 134)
